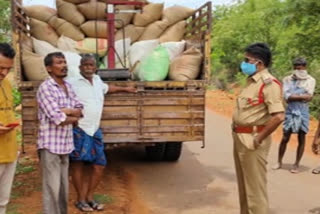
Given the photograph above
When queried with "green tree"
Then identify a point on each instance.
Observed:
(290, 27)
(5, 20)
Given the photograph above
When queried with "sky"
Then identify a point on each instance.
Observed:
(192, 3)
(168, 3)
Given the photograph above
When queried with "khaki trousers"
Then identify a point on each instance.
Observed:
(251, 169)
(54, 182)
(7, 171)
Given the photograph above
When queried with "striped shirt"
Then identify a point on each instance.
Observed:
(51, 97)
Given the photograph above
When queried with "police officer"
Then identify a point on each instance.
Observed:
(259, 111)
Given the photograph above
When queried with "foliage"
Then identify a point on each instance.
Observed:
(22, 169)
(241, 79)
(290, 27)
(5, 21)
(13, 209)
(16, 97)
(103, 198)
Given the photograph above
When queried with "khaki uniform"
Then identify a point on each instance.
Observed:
(251, 163)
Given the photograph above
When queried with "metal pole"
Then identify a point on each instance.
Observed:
(111, 36)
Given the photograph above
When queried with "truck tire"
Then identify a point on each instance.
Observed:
(156, 152)
(173, 151)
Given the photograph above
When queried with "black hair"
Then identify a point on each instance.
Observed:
(7, 51)
(299, 61)
(260, 51)
(85, 57)
(48, 60)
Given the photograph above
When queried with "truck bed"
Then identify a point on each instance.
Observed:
(166, 111)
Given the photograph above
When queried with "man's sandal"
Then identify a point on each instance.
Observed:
(95, 205)
(316, 170)
(83, 206)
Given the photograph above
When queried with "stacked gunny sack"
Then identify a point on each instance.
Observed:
(151, 42)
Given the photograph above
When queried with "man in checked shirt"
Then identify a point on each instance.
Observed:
(59, 111)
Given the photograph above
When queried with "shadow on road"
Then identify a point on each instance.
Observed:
(315, 210)
(183, 185)
(302, 168)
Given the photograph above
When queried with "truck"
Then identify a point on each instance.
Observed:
(161, 116)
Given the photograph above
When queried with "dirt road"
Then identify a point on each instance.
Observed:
(204, 182)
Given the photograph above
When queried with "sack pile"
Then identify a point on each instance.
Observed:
(148, 40)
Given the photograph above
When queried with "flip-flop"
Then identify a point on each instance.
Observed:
(277, 166)
(83, 206)
(316, 170)
(294, 171)
(95, 205)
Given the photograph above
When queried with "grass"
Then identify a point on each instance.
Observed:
(17, 184)
(12, 209)
(21, 169)
(15, 195)
(103, 198)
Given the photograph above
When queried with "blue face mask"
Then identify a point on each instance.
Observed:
(248, 68)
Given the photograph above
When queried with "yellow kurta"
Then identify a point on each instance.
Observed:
(8, 142)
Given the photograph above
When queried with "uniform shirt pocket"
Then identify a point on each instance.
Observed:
(246, 102)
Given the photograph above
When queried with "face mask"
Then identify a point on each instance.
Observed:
(248, 68)
(300, 74)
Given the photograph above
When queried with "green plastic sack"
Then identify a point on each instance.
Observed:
(155, 67)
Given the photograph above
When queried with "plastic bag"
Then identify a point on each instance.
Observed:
(155, 67)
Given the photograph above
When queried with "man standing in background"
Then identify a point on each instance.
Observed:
(298, 89)
(8, 141)
(59, 111)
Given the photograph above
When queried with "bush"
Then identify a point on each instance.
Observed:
(16, 97)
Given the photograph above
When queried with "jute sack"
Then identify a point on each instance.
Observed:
(77, 1)
(124, 17)
(176, 13)
(89, 45)
(145, 1)
(93, 10)
(174, 33)
(154, 30)
(43, 48)
(67, 44)
(131, 31)
(42, 13)
(26, 43)
(43, 31)
(140, 50)
(151, 13)
(73, 59)
(194, 43)
(187, 66)
(97, 29)
(122, 49)
(174, 49)
(69, 12)
(34, 68)
(66, 28)
(73, 63)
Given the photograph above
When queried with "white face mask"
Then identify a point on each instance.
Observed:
(300, 74)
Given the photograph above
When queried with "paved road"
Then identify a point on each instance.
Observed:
(203, 181)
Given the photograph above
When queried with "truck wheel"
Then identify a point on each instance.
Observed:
(173, 151)
(156, 152)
